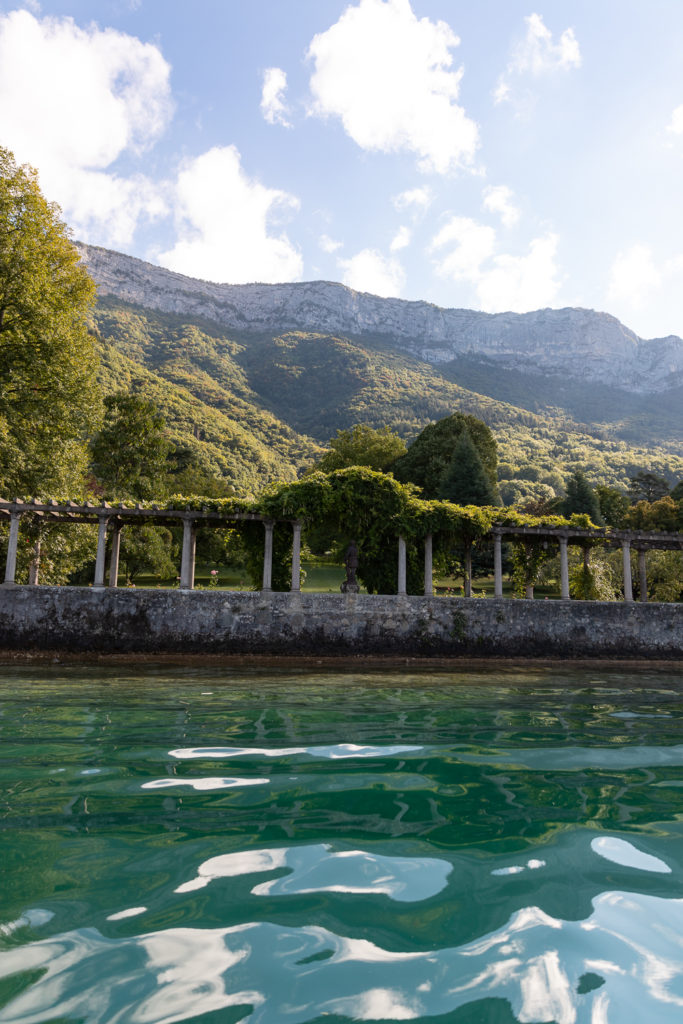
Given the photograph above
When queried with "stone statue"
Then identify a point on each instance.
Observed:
(350, 584)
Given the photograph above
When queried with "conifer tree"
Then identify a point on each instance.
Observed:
(581, 498)
(465, 480)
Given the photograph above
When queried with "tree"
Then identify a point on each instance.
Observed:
(130, 452)
(362, 445)
(465, 481)
(647, 487)
(48, 363)
(581, 498)
(431, 452)
(613, 504)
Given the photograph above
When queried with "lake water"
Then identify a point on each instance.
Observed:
(280, 847)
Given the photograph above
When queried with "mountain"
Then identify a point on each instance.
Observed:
(254, 402)
(575, 344)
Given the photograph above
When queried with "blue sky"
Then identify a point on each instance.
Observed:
(493, 155)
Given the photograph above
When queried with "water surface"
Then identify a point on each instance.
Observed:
(286, 848)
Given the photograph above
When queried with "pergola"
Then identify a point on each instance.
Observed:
(112, 518)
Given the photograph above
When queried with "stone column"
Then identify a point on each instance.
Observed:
(628, 585)
(468, 569)
(114, 555)
(101, 551)
(296, 557)
(642, 574)
(402, 567)
(268, 557)
(497, 565)
(12, 543)
(429, 581)
(564, 570)
(529, 587)
(187, 558)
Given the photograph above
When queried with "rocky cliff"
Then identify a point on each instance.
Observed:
(572, 343)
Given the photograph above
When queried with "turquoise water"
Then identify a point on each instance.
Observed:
(287, 848)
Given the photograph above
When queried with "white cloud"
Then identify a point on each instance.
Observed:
(225, 222)
(328, 244)
(418, 199)
(521, 283)
(401, 239)
(538, 55)
(72, 101)
(498, 199)
(467, 253)
(468, 244)
(676, 124)
(273, 106)
(387, 75)
(369, 271)
(640, 283)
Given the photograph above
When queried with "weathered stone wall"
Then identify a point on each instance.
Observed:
(111, 620)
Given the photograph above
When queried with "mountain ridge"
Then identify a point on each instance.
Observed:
(575, 343)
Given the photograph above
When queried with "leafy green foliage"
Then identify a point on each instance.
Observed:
(646, 486)
(147, 548)
(363, 445)
(465, 481)
(130, 451)
(581, 498)
(663, 515)
(613, 504)
(48, 396)
(431, 453)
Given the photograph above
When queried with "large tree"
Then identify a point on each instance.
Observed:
(48, 394)
(465, 480)
(130, 452)
(362, 445)
(432, 452)
(581, 498)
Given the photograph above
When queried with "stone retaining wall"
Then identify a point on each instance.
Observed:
(157, 621)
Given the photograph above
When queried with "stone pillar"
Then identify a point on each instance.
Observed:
(529, 587)
(402, 567)
(564, 570)
(429, 581)
(12, 544)
(468, 569)
(101, 551)
(114, 556)
(187, 558)
(628, 585)
(268, 557)
(642, 574)
(497, 565)
(296, 557)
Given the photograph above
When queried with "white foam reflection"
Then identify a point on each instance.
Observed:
(123, 914)
(335, 751)
(318, 869)
(619, 851)
(575, 758)
(33, 918)
(289, 975)
(206, 783)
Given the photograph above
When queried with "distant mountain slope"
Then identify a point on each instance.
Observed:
(574, 344)
(252, 405)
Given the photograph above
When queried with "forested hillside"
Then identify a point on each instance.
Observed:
(254, 407)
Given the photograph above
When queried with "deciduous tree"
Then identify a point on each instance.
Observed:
(48, 393)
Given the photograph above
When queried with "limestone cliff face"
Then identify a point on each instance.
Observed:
(575, 343)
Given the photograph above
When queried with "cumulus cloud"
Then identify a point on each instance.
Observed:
(465, 251)
(499, 199)
(72, 101)
(638, 278)
(537, 54)
(389, 77)
(417, 199)
(227, 224)
(273, 106)
(401, 239)
(370, 271)
(328, 244)
(675, 126)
